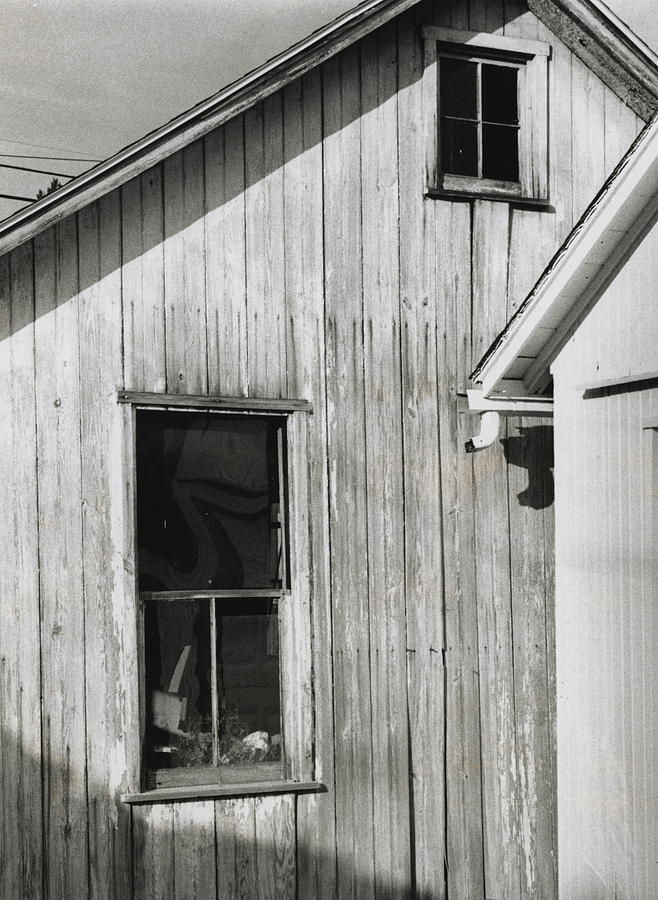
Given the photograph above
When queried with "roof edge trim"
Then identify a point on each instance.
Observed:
(199, 120)
(626, 177)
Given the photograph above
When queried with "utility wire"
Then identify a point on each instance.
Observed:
(40, 171)
(28, 144)
(58, 158)
(15, 197)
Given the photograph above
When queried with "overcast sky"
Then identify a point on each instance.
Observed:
(83, 78)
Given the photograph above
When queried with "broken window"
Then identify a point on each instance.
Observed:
(212, 567)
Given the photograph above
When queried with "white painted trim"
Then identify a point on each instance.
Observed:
(509, 406)
(630, 187)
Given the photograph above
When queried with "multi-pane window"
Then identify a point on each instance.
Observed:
(212, 568)
(479, 118)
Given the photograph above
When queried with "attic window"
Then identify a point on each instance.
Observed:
(479, 119)
(487, 126)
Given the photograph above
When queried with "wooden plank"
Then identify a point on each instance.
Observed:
(153, 852)
(195, 865)
(559, 129)
(422, 486)
(142, 282)
(60, 572)
(276, 849)
(535, 121)
(295, 617)
(231, 404)
(384, 456)
(530, 492)
(464, 844)
(347, 477)
(110, 646)
(236, 849)
(225, 260)
(587, 171)
(492, 549)
(304, 272)
(21, 850)
(264, 249)
(429, 110)
(184, 271)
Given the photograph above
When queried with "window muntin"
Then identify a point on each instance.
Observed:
(212, 564)
(479, 118)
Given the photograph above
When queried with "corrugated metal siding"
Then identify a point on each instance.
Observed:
(606, 604)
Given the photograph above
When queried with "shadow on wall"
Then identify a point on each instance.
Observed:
(207, 176)
(532, 449)
(232, 849)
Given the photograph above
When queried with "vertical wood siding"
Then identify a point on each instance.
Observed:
(292, 253)
(606, 618)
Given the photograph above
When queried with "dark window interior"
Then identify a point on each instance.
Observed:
(209, 504)
(479, 119)
(207, 488)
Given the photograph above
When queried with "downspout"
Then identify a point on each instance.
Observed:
(489, 425)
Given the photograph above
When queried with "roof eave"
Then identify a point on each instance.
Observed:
(630, 190)
(198, 121)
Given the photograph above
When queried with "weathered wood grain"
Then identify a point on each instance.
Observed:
(21, 872)
(529, 491)
(60, 554)
(142, 282)
(499, 764)
(184, 272)
(276, 848)
(153, 852)
(383, 456)
(264, 249)
(195, 864)
(420, 390)
(236, 849)
(304, 272)
(225, 261)
(109, 632)
(347, 476)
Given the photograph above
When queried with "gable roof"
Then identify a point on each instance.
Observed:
(286, 67)
(517, 364)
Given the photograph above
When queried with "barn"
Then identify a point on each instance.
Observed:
(590, 327)
(267, 631)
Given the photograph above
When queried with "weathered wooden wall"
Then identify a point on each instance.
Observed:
(292, 253)
(607, 616)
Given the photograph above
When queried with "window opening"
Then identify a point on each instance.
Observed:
(212, 563)
(479, 119)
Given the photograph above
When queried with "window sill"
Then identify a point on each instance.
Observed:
(437, 193)
(219, 791)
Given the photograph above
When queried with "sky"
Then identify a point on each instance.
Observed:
(83, 78)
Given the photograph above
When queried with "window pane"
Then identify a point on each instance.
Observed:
(178, 670)
(459, 147)
(499, 94)
(207, 501)
(248, 689)
(500, 152)
(458, 88)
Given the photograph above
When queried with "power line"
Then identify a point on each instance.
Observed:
(28, 144)
(58, 158)
(40, 171)
(15, 197)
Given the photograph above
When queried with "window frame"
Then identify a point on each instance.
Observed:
(530, 59)
(295, 663)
